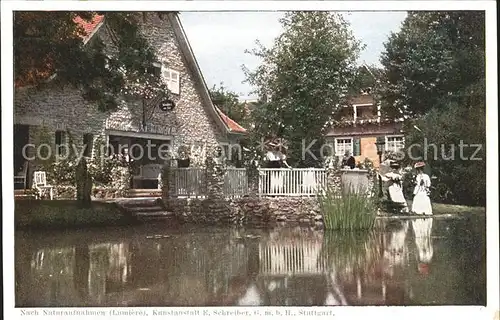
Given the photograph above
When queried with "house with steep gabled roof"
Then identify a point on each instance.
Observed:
(194, 122)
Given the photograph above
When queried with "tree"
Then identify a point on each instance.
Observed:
(367, 78)
(49, 42)
(434, 73)
(303, 78)
(228, 102)
(432, 60)
(458, 160)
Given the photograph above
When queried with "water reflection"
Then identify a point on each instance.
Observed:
(240, 267)
(423, 230)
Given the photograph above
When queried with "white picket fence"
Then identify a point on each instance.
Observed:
(236, 182)
(291, 182)
(188, 182)
(191, 182)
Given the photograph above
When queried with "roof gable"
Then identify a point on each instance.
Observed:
(188, 53)
(89, 27)
(231, 124)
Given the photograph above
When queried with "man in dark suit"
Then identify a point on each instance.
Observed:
(349, 160)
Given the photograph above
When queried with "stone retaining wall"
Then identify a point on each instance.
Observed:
(252, 211)
(69, 193)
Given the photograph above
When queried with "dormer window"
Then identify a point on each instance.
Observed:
(172, 79)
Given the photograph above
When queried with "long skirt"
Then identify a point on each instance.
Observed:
(396, 194)
(421, 204)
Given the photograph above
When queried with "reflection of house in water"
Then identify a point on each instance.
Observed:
(286, 267)
(108, 271)
(80, 275)
(291, 258)
(292, 271)
(53, 276)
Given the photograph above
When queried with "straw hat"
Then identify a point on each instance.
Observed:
(420, 164)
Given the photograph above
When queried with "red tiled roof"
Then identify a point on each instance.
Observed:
(233, 125)
(88, 26)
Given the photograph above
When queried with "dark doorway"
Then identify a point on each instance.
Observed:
(21, 139)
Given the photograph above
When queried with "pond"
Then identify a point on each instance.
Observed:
(415, 262)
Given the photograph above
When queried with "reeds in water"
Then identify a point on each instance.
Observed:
(347, 209)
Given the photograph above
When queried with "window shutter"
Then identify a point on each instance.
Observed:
(171, 78)
(175, 83)
(59, 141)
(88, 141)
(357, 147)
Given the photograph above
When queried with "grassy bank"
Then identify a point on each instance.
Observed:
(46, 214)
(441, 208)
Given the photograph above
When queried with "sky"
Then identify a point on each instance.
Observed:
(219, 40)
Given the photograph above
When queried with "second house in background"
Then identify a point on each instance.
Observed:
(361, 124)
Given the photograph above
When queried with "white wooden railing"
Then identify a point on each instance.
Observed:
(188, 182)
(191, 182)
(291, 182)
(236, 182)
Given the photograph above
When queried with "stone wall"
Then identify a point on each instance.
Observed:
(65, 192)
(250, 211)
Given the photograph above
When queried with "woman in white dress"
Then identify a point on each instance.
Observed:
(421, 201)
(390, 174)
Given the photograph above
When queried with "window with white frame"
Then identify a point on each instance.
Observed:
(342, 145)
(172, 79)
(394, 143)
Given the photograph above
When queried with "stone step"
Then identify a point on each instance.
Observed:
(24, 196)
(132, 203)
(134, 193)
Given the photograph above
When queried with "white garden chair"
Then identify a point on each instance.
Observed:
(41, 186)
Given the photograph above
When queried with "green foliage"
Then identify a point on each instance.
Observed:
(366, 164)
(46, 42)
(101, 166)
(366, 79)
(431, 60)
(228, 102)
(434, 71)
(303, 76)
(459, 178)
(347, 210)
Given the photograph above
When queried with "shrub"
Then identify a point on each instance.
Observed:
(459, 178)
(347, 210)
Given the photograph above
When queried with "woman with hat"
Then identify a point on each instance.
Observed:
(421, 201)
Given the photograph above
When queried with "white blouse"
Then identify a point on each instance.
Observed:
(423, 183)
